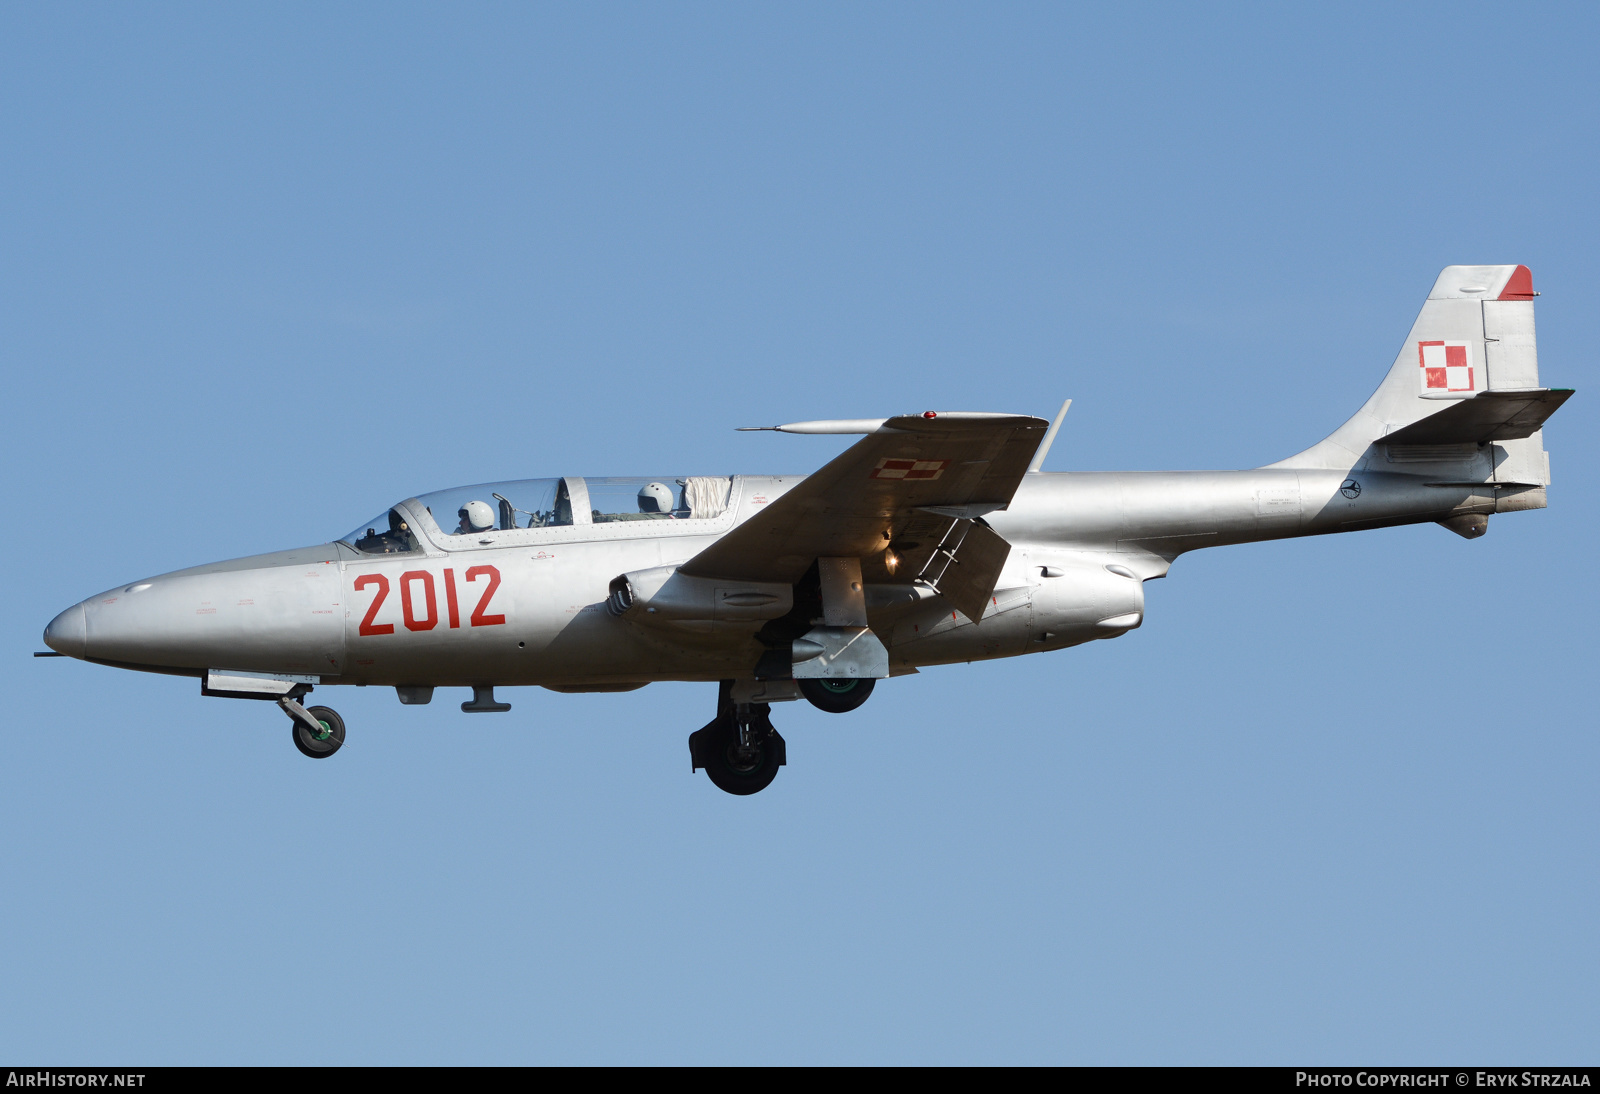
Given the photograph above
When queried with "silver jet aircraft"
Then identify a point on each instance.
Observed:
(934, 539)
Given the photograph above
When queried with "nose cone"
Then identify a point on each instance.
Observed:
(67, 633)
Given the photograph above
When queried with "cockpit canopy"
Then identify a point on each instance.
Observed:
(541, 503)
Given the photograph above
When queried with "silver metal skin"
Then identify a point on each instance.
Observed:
(612, 606)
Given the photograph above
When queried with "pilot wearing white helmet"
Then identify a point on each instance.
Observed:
(476, 516)
(656, 497)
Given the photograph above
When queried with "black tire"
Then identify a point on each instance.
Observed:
(836, 696)
(325, 745)
(716, 748)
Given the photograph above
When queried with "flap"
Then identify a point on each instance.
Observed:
(969, 580)
(872, 492)
(1487, 416)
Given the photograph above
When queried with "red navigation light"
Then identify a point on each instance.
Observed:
(929, 414)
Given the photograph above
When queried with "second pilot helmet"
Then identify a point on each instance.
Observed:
(656, 497)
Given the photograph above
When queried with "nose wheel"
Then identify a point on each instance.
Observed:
(325, 739)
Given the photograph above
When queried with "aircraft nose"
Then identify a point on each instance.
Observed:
(67, 633)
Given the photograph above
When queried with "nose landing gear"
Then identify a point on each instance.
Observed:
(739, 749)
(326, 741)
(318, 731)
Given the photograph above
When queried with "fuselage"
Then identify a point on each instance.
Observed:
(527, 606)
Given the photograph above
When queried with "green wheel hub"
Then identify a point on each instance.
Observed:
(839, 687)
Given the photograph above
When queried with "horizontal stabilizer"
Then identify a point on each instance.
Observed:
(1487, 416)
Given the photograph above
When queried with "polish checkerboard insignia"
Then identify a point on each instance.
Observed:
(1446, 366)
(909, 469)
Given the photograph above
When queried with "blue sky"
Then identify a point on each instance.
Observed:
(267, 269)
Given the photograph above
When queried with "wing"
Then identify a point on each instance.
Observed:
(879, 492)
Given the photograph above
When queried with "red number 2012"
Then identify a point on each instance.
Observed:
(408, 606)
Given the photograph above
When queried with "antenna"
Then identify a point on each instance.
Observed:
(1049, 438)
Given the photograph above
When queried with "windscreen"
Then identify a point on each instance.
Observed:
(385, 534)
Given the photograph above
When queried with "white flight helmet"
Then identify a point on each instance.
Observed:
(477, 515)
(655, 498)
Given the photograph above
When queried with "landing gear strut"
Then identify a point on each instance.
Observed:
(318, 731)
(739, 749)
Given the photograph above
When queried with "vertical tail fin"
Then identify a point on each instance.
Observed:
(1473, 336)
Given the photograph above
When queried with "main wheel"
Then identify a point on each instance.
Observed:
(734, 769)
(319, 746)
(836, 696)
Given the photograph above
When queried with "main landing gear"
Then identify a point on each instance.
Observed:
(837, 696)
(318, 731)
(739, 749)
